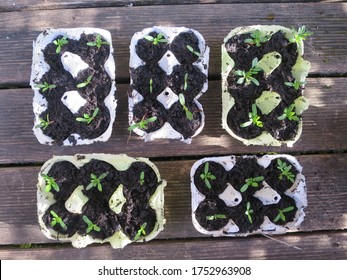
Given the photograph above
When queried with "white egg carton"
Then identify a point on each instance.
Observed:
(267, 195)
(167, 63)
(72, 99)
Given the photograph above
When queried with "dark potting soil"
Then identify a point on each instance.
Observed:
(64, 122)
(213, 207)
(246, 94)
(135, 211)
(150, 80)
(243, 169)
(149, 52)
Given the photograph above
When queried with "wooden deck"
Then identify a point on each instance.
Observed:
(321, 150)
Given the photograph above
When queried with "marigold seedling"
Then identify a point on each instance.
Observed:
(258, 38)
(142, 124)
(50, 183)
(96, 181)
(87, 118)
(60, 43)
(296, 85)
(151, 85)
(248, 76)
(190, 48)
(251, 182)
(285, 171)
(281, 215)
(90, 224)
(298, 36)
(44, 123)
(215, 217)
(156, 40)
(86, 82)
(142, 178)
(45, 86)
(185, 85)
(289, 114)
(141, 231)
(207, 176)
(249, 212)
(182, 100)
(253, 118)
(98, 42)
(57, 220)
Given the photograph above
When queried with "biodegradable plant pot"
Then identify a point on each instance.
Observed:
(73, 78)
(243, 195)
(98, 198)
(168, 74)
(266, 108)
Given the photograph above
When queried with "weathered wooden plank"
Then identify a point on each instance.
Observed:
(325, 246)
(326, 185)
(326, 49)
(29, 5)
(324, 128)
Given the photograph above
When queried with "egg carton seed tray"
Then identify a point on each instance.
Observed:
(63, 61)
(99, 198)
(160, 71)
(244, 195)
(271, 97)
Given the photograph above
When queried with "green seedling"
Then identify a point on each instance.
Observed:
(86, 82)
(141, 231)
(185, 85)
(142, 124)
(87, 118)
(156, 40)
(249, 212)
(44, 123)
(98, 42)
(253, 118)
(50, 183)
(96, 181)
(60, 43)
(90, 224)
(289, 114)
(57, 220)
(142, 178)
(190, 48)
(257, 38)
(248, 76)
(207, 176)
(215, 217)
(251, 182)
(281, 215)
(182, 100)
(285, 171)
(151, 85)
(296, 85)
(45, 86)
(298, 36)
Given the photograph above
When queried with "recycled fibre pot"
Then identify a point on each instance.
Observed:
(227, 206)
(280, 61)
(125, 203)
(63, 60)
(162, 71)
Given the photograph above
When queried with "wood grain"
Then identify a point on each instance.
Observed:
(24, 5)
(325, 179)
(325, 49)
(324, 128)
(324, 246)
